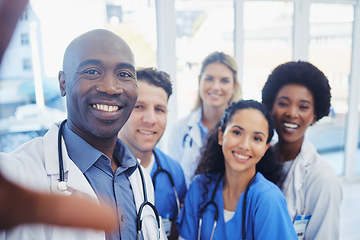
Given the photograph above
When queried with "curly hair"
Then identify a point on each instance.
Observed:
(302, 73)
(212, 158)
(155, 77)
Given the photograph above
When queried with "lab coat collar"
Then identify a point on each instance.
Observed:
(302, 165)
(193, 128)
(195, 117)
(51, 150)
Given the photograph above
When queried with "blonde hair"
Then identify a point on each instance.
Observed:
(228, 61)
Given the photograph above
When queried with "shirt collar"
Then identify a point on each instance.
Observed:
(84, 155)
(126, 158)
(203, 131)
(80, 152)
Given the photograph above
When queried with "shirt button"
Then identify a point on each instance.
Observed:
(122, 218)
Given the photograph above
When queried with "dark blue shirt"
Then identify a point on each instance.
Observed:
(108, 186)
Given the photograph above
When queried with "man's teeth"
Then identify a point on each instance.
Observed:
(290, 125)
(146, 132)
(241, 156)
(105, 108)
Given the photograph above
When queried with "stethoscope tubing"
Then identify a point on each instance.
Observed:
(159, 170)
(216, 217)
(243, 231)
(61, 163)
(62, 182)
(213, 203)
(146, 203)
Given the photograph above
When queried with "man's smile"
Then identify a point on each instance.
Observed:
(105, 108)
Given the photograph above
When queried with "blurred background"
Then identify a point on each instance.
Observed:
(174, 36)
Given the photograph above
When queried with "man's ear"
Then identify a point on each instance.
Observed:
(62, 83)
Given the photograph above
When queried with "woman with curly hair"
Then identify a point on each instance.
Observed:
(228, 198)
(298, 95)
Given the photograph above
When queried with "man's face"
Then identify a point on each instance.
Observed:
(99, 81)
(147, 122)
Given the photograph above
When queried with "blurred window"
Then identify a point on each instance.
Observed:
(330, 50)
(24, 39)
(135, 22)
(268, 28)
(202, 27)
(27, 64)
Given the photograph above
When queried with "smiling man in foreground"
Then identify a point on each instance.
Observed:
(84, 153)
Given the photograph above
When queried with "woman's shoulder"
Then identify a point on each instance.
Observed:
(203, 179)
(319, 176)
(322, 178)
(316, 167)
(265, 188)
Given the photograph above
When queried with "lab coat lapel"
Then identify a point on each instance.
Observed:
(51, 150)
(75, 178)
(194, 130)
(304, 160)
(298, 174)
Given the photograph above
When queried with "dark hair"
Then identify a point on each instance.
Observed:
(302, 73)
(212, 158)
(155, 77)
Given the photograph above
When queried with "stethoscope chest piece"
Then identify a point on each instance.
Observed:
(60, 187)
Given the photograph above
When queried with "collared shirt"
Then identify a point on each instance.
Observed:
(204, 132)
(108, 186)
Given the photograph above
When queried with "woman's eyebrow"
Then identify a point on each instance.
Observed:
(283, 97)
(241, 128)
(261, 133)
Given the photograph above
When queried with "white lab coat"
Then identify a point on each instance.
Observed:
(186, 150)
(35, 165)
(312, 188)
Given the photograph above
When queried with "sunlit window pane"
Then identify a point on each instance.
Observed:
(135, 21)
(202, 27)
(268, 42)
(330, 50)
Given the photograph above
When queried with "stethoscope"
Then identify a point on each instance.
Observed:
(187, 136)
(216, 217)
(161, 170)
(63, 188)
